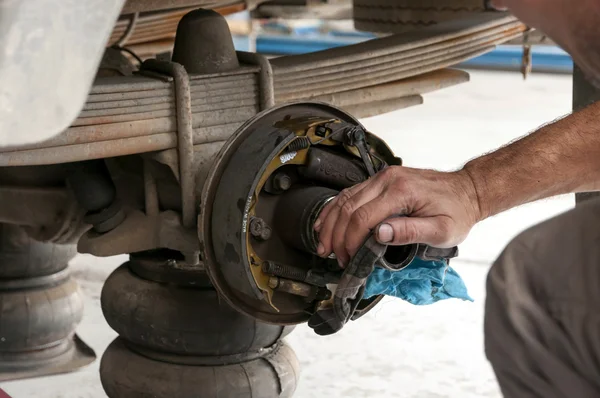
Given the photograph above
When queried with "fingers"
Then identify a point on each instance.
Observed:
(345, 214)
(366, 218)
(328, 217)
(433, 231)
(331, 205)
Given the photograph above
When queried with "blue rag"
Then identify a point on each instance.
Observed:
(420, 283)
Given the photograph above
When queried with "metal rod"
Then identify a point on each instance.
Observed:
(185, 137)
(291, 287)
(299, 274)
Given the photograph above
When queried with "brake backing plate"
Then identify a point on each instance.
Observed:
(261, 198)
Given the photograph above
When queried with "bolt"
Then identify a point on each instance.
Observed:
(273, 282)
(282, 181)
(259, 229)
(354, 135)
(172, 263)
(266, 233)
(256, 226)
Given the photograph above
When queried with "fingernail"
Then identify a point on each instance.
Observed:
(317, 225)
(385, 233)
(320, 249)
(341, 264)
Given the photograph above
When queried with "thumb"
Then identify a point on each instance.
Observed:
(398, 231)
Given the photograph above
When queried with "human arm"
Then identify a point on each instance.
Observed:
(441, 208)
(562, 157)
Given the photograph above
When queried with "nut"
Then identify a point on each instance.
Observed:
(282, 182)
(259, 229)
(266, 233)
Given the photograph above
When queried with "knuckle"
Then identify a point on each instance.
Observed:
(410, 232)
(343, 197)
(347, 208)
(444, 232)
(399, 184)
(388, 173)
(361, 216)
(444, 228)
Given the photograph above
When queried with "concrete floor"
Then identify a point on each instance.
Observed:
(397, 350)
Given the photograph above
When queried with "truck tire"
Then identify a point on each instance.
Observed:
(397, 16)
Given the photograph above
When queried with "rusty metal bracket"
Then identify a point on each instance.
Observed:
(265, 77)
(185, 143)
(139, 233)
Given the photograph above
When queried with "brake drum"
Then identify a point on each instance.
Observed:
(261, 198)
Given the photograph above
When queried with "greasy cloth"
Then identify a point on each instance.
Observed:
(431, 271)
(332, 317)
(422, 282)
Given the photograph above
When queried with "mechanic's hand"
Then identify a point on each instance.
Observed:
(440, 209)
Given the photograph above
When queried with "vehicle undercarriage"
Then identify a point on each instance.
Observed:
(208, 167)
